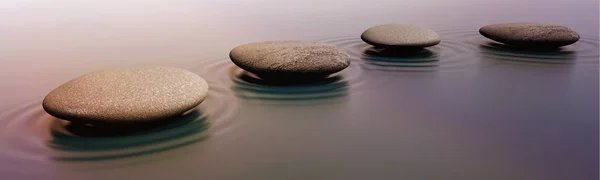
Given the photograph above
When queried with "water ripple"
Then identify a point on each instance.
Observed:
(34, 138)
(449, 55)
(252, 89)
(583, 52)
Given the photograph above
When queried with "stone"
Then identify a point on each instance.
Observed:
(530, 35)
(287, 60)
(400, 36)
(127, 96)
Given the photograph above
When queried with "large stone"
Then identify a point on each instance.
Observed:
(530, 35)
(127, 96)
(400, 36)
(289, 59)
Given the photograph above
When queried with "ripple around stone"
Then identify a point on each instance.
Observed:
(251, 89)
(503, 52)
(85, 138)
(582, 53)
(37, 139)
(446, 56)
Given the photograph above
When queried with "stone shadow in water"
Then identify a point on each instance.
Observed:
(254, 79)
(541, 55)
(83, 138)
(399, 52)
(400, 59)
(252, 87)
(90, 130)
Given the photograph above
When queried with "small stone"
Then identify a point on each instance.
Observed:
(400, 36)
(530, 35)
(289, 59)
(127, 96)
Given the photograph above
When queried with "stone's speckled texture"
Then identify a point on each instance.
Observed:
(533, 35)
(289, 59)
(126, 96)
(400, 36)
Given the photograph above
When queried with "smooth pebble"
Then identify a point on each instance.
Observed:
(530, 35)
(400, 36)
(287, 60)
(127, 96)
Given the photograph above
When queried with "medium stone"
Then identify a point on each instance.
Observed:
(530, 35)
(127, 96)
(289, 59)
(400, 36)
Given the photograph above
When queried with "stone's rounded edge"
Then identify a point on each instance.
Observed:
(234, 56)
(500, 33)
(436, 42)
(484, 31)
(237, 57)
(75, 114)
(204, 85)
(495, 32)
(206, 88)
(49, 108)
(365, 36)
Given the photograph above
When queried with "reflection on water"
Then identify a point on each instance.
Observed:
(128, 142)
(504, 52)
(400, 58)
(451, 119)
(582, 53)
(36, 138)
(381, 124)
(222, 73)
(41, 139)
(251, 78)
(250, 87)
(449, 55)
(88, 130)
(410, 55)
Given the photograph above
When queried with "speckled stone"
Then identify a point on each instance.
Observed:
(289, 59)
(400, 36)
(127, 96)
(532, 35)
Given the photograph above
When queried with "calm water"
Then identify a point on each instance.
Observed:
(467, 109)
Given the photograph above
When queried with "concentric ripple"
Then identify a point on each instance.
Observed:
(252, 89)
(32, 137)
(32, 140)
(449, 55)
(583, 52)
(462, 49)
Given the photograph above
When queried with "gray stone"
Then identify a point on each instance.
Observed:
(400, 36)
(127, 96)
(289, 59)
(531, 35)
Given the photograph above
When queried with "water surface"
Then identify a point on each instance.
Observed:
(465, 109)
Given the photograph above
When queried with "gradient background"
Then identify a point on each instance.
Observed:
(467, 125)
